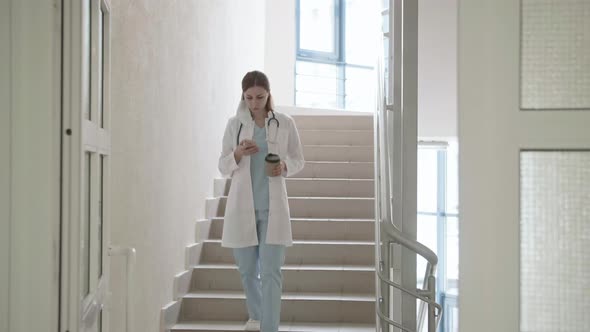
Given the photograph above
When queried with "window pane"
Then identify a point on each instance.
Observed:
(316, 100)
(85, 225)
(427, 235)
(452, 254)
(317, 25)
(452, 178)
(427, 179)
(317, 85)
(385, 23)
(554, 235)
(360, 89)
(359, 44)
(100, 214)
(101, 70)
(87, 66)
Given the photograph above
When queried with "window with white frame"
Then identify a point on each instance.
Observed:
(335, 54)
(438, 224)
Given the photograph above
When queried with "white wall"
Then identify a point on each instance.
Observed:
(29, 122)
(437, 68)
(177, 70)
(279, 53)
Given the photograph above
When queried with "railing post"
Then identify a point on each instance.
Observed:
(385, 291)
(431, 308)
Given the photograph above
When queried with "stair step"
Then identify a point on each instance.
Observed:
(335, 137)
(330, 122)
(338, 153)
(217, 326)
(298, 187)
(349, 279)
(324, 207)
(303, 253)
(337, 169)
(318, 229)
(295, 307)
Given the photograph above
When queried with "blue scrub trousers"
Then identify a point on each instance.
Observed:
(260, 269)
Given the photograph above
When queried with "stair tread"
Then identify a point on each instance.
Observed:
(296, 267)
(316, 179)
(324, 198)
(338, 162)
(319, 219)
(284, 327)
(313, 296)
(326, 242)
(339, 146)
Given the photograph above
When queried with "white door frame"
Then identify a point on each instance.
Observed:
(85, 203)
(402, 129)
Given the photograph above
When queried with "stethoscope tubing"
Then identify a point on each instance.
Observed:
(268, 123)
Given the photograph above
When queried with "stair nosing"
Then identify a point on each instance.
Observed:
(321, 197)
(321, 242)
(337, 162)
(293, 267)
(285, 296)
(320, 219)
(296, 326)
(339, 145)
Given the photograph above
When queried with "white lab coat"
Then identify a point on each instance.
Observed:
(239, 228)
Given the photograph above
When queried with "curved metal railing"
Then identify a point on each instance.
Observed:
(390, 182)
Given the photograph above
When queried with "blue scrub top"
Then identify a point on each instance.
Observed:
(257, 171)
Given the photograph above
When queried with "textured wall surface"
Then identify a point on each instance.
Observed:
(177, 68)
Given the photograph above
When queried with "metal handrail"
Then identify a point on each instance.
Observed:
(393, 235)
(130, 254)
(389, 180)
(417, 247)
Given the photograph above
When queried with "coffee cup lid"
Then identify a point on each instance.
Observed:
(273, 158)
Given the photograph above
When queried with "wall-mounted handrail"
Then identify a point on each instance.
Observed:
(130, 255)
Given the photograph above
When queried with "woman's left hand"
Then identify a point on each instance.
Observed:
(278, 169)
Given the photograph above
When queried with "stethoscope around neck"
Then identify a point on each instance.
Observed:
(273, 118)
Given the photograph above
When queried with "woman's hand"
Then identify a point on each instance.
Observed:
(278, 169)
(247, 147)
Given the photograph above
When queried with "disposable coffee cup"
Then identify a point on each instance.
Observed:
(272, 160)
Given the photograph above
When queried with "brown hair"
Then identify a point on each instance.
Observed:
(257, 78)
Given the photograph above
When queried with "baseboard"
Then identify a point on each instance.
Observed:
(182, 284)
(193, 255)
(221, 186)
(202, 228)
(169, 315)
(212, 207)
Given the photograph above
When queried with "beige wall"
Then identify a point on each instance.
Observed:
(177, 69)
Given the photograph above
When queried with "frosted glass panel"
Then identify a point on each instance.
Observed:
(555, 54)
(555, 241)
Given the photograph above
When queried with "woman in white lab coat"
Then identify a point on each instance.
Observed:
(257, 223)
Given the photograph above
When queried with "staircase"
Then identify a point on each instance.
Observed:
(329, 275)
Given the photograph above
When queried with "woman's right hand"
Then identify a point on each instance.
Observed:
(247, 147)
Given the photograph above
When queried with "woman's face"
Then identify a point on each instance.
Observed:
(256, 98)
